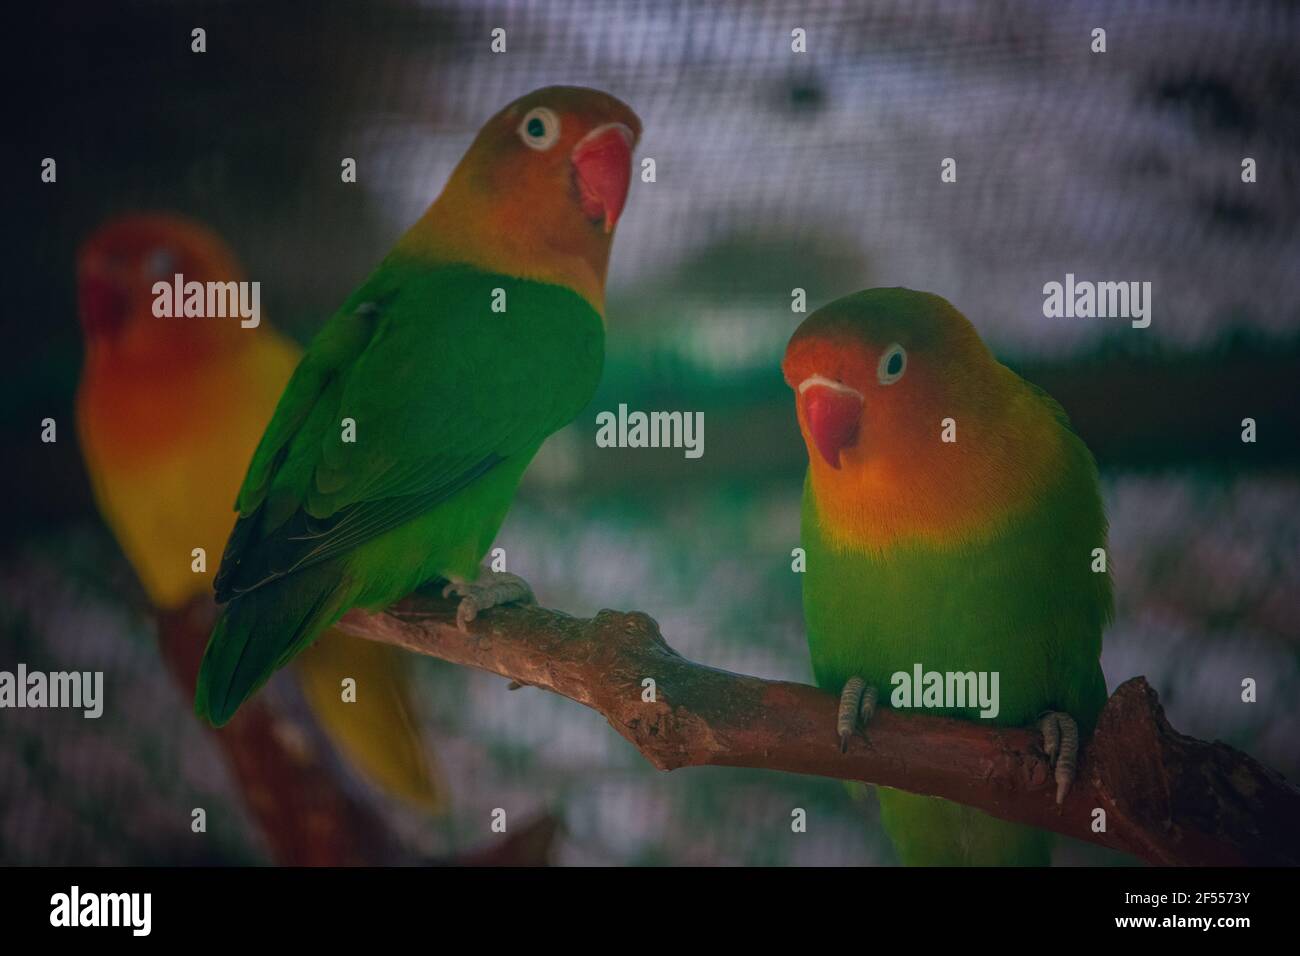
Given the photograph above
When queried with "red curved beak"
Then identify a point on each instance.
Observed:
(102, 305)
(602, 165)
(833, 417)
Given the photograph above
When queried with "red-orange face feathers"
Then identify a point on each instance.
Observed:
(539, 191)
(880, 378)
(116, 271)
(874, 373)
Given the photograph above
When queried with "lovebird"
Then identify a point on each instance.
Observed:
(950, 520)
(169, 409)
(399, 442)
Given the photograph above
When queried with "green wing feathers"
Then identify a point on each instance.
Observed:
(261, 632)
(440, 392)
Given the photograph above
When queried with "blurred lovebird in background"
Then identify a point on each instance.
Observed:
(169, 410)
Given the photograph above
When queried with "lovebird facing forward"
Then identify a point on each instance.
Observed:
(966, 555)
(399, 442)
(168, 412)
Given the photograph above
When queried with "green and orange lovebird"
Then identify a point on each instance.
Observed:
(398, 443)
(169, 409)
(950, 517)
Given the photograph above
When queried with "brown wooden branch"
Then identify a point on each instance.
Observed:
(1168, 798)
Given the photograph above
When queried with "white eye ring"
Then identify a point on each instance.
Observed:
(887, 357)
(550, 128)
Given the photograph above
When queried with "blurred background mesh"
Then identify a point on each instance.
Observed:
(775, 170)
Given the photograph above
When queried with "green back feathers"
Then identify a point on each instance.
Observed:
(440, 391)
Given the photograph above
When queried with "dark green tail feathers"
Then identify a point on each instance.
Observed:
(259, 631)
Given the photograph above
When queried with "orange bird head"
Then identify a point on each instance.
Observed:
(876, 372)
(913, 428)
(539, 191)
(117, 268)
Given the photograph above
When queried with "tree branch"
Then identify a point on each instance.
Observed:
(1168, 798)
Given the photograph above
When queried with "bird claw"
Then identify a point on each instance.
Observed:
(493, 589)
(1061, 744)
(857, 707)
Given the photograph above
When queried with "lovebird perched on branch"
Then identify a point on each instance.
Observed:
(398, 444)
(950, 520)
(169, 410)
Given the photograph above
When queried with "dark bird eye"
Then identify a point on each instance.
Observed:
(159, 264)
(892, 363)
(540, 128)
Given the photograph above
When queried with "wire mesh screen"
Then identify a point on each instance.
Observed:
(774, 169)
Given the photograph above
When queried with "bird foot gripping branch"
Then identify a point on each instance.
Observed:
(1061, 744)
(1060, 731)
(857, 707)
(493, 589)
